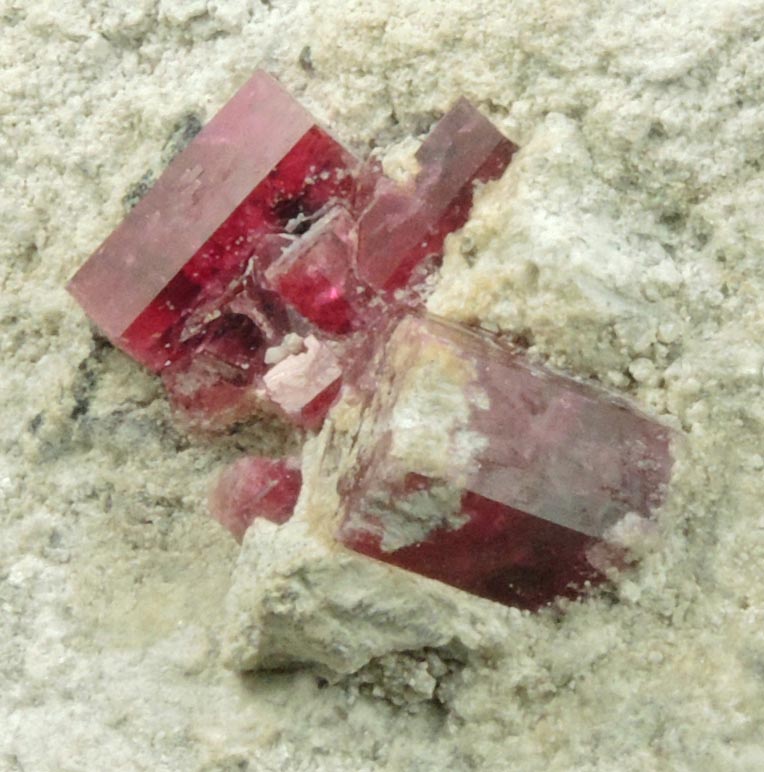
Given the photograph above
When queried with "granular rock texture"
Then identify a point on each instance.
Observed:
(624, 244)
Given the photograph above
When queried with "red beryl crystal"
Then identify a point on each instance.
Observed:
(402, 229)
(492, 474)
(203, 219)
(255, 487)
(265, 245)
(315, 275)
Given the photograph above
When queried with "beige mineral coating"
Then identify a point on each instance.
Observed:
(429, 418)
(624, 244)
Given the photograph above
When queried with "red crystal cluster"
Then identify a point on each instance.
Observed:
(269, 267)
(255, 487)
(266, 250)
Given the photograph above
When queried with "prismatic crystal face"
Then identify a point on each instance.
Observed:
(270, 269)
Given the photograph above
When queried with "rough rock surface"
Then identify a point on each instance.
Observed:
(625, 244)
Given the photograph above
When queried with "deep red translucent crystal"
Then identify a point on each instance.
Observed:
(315, 275)
(269, 268)
(400, 229)
(313, 173)
(500, 553)
(265, 230)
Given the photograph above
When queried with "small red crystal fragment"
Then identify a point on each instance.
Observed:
(491, 474)
(313, 414)
(299, 383)
(315, 275)
(255, 487)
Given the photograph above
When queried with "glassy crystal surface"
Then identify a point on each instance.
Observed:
(312, 173)
(315, 275)
(491, 474)
(192, 199)
(401, 229)
(255, 487)
(304, 384)
(247, 274)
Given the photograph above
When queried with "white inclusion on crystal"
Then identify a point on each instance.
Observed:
(292, 344)
(295, 223)
(411, 517)
(434, 392)
(430, 421)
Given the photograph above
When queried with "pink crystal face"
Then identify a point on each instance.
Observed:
(266, 250)
(193, 198)
(491, 474)
(255, 487)
(294, 191)
(400, 230)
